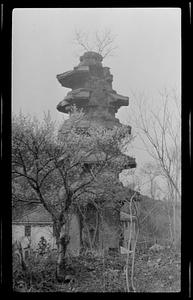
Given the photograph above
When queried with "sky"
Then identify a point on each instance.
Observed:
(147, 59)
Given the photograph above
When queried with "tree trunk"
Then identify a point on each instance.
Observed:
(81, 223)
(174, 218)
(89, 236)
(170, 227)
(62, 241)
(96, 229)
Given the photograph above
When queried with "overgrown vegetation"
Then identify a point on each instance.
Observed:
(155, 271)
(65, 171)
(159, 129)
(54, 170)
(38, 274)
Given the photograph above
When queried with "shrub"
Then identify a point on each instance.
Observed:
(43, 246)
(39, 274)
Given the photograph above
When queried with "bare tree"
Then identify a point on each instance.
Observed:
(102, 43)
(43, 162)
(131, 247)
(160, 132)
(150, 171)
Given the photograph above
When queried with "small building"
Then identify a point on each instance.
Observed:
(31, 226)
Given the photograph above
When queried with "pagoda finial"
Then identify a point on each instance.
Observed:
(90, 58)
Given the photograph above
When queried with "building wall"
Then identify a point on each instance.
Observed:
(108, 236)
(126, 234)
(17, 232)
(46, 231)
(74, 245)
(37, 231)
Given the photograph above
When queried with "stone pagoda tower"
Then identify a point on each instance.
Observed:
(92, 91)
(91, 85)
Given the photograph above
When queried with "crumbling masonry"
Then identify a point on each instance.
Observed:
(92, 91)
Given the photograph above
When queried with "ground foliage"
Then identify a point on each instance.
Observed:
(39, 274)
(90, 272)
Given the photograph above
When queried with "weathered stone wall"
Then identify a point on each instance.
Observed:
(92, 91)
(109, 236)
(74, 245)
(129, 232)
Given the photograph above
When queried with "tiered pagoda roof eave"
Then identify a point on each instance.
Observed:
(69, 79)
(80, 97)
(121, 100)
(92, 91)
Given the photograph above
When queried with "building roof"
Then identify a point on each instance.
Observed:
(37, 215)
